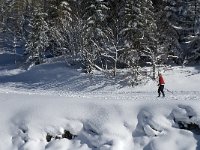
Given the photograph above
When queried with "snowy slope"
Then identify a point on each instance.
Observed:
(53, 107)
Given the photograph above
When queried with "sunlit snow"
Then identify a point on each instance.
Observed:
(56, 107)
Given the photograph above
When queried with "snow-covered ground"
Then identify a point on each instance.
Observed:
(54, 107)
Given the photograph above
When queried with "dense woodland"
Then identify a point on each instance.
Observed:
(103, 34)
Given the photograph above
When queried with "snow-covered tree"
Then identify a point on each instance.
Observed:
(66, 28)
(151, 48)
(141, 35)
(132, 33)
(114, 47)
(2, 27)
(168, 36)
(193, 37)
(54, 11)
(12, 25)
(38, 39)
(94, 33)
(183, 16)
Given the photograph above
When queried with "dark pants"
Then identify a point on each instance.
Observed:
(160, 89)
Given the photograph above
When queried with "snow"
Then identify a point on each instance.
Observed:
(38, 106)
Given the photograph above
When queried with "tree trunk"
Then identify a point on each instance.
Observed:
(154, 71)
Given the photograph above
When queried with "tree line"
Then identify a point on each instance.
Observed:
(103, 34)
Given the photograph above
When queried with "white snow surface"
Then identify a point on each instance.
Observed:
(100, 111)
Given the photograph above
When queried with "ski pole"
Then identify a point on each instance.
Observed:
(169, 91)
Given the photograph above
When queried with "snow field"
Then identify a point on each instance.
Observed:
(52, 107)
(95, 123)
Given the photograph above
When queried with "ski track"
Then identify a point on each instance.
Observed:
(116, 95)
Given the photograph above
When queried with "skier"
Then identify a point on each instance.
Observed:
(161, 85)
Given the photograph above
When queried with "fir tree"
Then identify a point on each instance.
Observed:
(114, 47)
(94, 15)
(38, 39)
(183, 17)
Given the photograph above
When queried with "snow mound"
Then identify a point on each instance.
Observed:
(59, 122)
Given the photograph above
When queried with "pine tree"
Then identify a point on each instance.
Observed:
(38, 39)
(183, 17)
(73, 27)
(114, 47)
(66, 28)
(93, 22)
(12, 26)
(193, 37)
(150, 44)
(2, 26)
(168, 36)
(141, 34)
(54, 19)
(131, 32)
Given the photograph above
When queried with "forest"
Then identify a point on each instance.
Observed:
(102, 34)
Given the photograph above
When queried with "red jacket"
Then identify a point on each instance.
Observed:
(161, 80)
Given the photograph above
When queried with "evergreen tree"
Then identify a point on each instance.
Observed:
(94, 33)
(2, 27)
(184, 18)
(168, 36)
(193, 37)
(38, 39)
(141, 34)
(12, 26)
(54, 19)
(132, 33)
(114, 47)
(67, 28)
(150, 43)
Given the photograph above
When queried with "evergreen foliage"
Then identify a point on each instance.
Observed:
(103, 34)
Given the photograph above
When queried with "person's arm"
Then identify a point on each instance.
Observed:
(158, 81)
